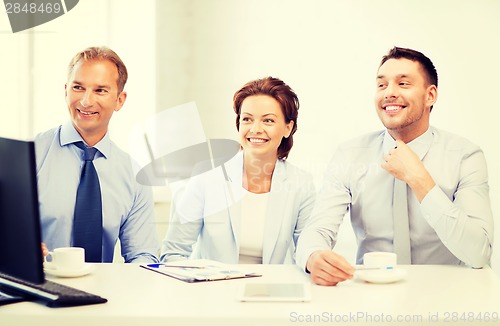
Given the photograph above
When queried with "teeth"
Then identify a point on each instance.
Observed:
(392, 108)
(87, 113)
(257, 140)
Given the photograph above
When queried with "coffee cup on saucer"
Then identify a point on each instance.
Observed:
(378, 259)
(380, 267)
(66, 259)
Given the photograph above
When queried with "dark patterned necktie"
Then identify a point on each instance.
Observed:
(87, 223)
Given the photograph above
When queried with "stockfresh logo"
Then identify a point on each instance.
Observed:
(171, 146)
(25, 14)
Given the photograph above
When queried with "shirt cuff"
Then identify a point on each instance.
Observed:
(146, 259)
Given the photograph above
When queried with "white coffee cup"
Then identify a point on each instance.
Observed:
(67, 258)
(378, 259)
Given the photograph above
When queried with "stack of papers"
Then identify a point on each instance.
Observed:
(200, 270)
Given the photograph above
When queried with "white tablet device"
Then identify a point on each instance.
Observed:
(283, 292)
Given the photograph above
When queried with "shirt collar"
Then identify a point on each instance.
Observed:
(69, 135)
(419, 145)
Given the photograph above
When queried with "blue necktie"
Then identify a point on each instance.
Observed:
(87, 223)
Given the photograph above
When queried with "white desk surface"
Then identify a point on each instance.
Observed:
(141, 297)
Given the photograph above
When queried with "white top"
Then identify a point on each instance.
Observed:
(253, 218)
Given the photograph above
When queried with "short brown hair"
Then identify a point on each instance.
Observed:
(101, 53)
(282, 93)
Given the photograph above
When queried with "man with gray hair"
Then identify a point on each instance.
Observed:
(89, 196)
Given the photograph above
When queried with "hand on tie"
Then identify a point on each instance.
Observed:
(404, 164)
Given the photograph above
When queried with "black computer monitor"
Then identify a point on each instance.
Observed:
(20, 236)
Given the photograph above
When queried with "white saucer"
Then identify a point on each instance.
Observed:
(381, 275)
(50, 270)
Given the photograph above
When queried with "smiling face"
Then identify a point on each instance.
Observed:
(92, 97)
(262, 127)
(403, 98)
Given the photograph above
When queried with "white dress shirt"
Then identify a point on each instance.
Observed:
(452, 225)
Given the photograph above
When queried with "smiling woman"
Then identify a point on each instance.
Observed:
(252, 209)
(262, 127)
(266, 118)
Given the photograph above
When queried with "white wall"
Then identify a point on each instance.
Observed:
(204, 50)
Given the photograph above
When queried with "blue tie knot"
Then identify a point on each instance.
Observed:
(89, 152)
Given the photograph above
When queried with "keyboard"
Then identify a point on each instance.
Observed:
(54, 294)
(7, 298)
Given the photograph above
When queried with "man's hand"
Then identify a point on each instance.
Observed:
(45, 250)
(328, 268)
(405, 165)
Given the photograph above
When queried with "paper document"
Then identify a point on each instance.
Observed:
(200, 270)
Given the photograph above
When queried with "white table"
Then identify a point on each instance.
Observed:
(141, 297)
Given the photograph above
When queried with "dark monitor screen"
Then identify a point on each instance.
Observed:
(20, 236)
